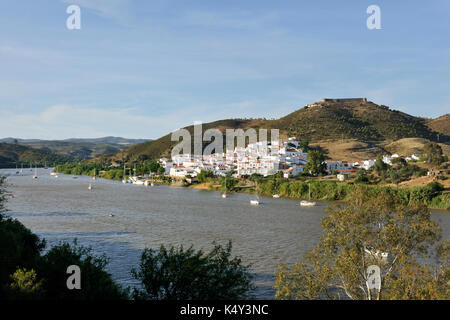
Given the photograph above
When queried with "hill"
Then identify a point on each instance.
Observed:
(341, 128)
(16, 154)
(80, 149)
(408, 146)
(441, 124)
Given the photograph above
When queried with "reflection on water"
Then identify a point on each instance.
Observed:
(61, 209)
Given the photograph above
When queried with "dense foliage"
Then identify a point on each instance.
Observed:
(355, 235)
(185, 274)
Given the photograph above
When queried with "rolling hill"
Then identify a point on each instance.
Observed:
(15, 154)
(79, 149)
(363, 128)
(441, 124)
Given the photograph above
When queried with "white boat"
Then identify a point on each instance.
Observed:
(53, 173)
(224, 195)
(124, 174)
(90, 186)
(35, 174)
(276, 196)
(137, 180)
(305, 203)
(254, 202)
(152, 184)
(146, 183)
(111, 215)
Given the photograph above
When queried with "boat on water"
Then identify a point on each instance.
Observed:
(305, 203)
(137, 180)
(254, 202)
(35, 174)
(276, 196)
(146, 183)
(53, 173)
(90, 186)
(224, 195)
(124, 180)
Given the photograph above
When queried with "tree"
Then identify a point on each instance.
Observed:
(362, 176)
(380, 166)
(304, 145)
(19, 248)
(96, 283)
(432, 154)
(161, 170)
(356, 236)
(153, 166)
(179, 274)
(203, 176)
(315, 164)
(25, 285)
(395, 177)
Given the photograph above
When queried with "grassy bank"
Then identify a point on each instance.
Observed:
(432, 195)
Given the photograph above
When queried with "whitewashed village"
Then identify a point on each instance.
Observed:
(263, 158)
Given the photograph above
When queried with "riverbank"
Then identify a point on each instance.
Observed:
(433, 195)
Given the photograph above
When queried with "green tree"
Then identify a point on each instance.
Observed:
(161, 170)
(315, 164)
(304, 145)
(25, 285)
(153, 166)
(178, 274)
(19, 248)
(355, 237)
(432, 154)
(204, 175)
(380, 166)
(96, 283)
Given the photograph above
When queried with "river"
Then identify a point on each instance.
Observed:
(63, 208)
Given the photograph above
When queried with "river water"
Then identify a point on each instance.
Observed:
(63, 208)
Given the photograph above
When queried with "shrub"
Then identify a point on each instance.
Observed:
(176, 273)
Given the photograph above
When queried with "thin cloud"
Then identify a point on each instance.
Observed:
(118, 10)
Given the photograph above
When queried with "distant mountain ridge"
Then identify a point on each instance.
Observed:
(77, 148)
(109, 139)
(12, 155)
(326, 120)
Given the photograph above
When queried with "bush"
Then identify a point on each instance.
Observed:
(178, 274)
(19, 248)
(96, 283)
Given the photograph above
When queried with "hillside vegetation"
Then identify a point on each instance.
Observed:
(441, 124)
(342, 129)
(15, 154)
(79, 149)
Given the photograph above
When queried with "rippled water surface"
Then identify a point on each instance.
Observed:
(63, 209)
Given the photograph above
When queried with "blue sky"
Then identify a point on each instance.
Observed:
(143, 68)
